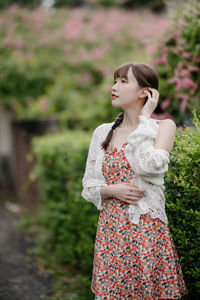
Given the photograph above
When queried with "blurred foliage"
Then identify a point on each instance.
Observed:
(157, 5)
(68, 223)
(60, 64)
(28, 3)
(178, 64)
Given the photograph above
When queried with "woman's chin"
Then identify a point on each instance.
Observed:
(115, 103)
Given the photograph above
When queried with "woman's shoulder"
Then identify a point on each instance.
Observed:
(167, 124)
(165, 121)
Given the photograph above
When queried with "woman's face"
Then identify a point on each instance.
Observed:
(125, 92)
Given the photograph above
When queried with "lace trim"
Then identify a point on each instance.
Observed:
(93, 178)
(147, 160)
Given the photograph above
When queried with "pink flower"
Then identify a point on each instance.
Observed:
(154, 115)
(165, 103)
(178, 82)
(184, 98)
(184, 73)
(187, 82)
(72, 28)
(186, 54)
(165, 116)
(161, 60)
(193, 68)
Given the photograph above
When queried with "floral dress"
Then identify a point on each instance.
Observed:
(132, 261)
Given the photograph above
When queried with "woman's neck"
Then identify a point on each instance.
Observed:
(131, 119)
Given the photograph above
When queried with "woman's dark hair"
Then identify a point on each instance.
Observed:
(145, 76)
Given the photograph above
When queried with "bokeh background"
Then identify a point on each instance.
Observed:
(57, 59)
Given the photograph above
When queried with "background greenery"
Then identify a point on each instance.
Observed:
(60, 64)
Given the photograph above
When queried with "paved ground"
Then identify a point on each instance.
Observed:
(20, 279)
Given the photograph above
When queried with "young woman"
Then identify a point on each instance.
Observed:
(134, 254)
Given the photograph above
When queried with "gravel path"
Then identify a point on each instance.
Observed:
(20, 279)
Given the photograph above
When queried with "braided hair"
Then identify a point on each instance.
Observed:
(118, 121)
(145, 76)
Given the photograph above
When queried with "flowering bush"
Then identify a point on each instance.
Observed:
(178, 63)
(61, 62)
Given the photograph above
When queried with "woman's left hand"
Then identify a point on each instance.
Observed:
(151, 103)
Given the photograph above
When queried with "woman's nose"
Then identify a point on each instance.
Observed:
(114, 87)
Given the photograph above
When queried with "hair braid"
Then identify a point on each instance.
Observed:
(118, 121)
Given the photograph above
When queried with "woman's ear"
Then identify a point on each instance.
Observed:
(143, 94)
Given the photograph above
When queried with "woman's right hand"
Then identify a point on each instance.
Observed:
(126, 192)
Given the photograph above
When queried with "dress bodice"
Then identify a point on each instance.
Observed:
(115, 166)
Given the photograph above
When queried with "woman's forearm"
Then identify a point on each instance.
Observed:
(107, 191)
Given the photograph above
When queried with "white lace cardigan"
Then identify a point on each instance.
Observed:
(148, 163)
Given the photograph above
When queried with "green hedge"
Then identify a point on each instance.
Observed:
(183, 205)
(65, 223)
(68, 223)
(67, 220)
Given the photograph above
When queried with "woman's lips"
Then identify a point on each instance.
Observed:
(114, 97)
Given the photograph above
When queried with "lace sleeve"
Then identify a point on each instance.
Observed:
(143, 157)
(150, 161)
(91, 182)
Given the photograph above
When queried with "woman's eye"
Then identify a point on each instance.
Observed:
(122, 80)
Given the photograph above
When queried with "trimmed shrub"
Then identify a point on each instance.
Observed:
(67, 221)
(183, 205)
